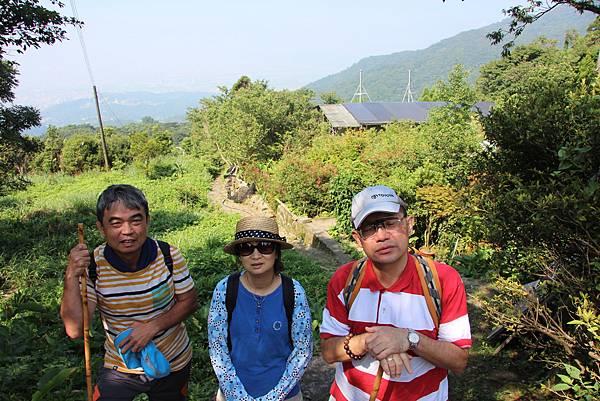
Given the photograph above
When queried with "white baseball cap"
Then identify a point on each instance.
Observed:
(379, 198)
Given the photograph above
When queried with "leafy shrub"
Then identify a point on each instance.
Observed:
(302, 184)
(159, 168)
(191, 196)
(118, 148)
(48, 159)
(81, 152)
(145, 147)
(473, 264)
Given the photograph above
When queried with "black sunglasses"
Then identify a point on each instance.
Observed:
(264, 247)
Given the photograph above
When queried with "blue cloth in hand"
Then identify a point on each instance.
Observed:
(150, 359)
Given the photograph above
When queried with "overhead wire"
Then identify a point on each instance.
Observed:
(82, 42)
(87, 61)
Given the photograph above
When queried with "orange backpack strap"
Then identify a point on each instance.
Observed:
(430, 282)
(352, 287)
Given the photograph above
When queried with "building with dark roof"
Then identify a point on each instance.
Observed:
(373, 114)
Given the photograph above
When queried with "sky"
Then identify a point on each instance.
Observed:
(187, 45)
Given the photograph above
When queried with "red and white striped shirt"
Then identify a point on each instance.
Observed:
(402, 305)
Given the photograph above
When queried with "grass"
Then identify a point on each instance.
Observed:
(39, 227)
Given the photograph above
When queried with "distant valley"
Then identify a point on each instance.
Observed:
(121, 108)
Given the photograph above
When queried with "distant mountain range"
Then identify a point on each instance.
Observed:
(385, 77)
(121, 108)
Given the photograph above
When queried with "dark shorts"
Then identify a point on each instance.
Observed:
(113, 385)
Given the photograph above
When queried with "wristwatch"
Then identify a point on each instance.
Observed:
(413, 339)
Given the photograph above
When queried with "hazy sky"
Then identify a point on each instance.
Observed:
(197, 45)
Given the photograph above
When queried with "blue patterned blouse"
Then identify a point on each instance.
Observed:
(229, 382)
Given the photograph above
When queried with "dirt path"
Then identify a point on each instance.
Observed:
(255, 205)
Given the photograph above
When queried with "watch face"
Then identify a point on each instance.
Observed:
(413, 338)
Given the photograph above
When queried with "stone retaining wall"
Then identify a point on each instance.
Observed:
(312, 232)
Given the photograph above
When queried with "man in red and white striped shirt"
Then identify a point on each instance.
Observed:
(389, 323)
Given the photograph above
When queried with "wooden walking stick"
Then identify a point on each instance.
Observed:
(376, 383)
(86, 324)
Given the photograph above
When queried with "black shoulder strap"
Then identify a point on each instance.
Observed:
(289, 301)
(165, 248)
(231, 293)
(92, 273)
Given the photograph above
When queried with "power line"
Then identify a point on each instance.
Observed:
(82, 42)
(106, 103)
(89, 68)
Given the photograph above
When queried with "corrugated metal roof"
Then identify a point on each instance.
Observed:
(338, 116)
(378, 113)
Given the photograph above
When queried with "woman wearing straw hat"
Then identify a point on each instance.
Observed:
(259, 324)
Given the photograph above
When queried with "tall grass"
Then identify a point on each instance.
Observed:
(38, 229)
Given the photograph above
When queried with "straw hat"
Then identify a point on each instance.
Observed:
(256, 228)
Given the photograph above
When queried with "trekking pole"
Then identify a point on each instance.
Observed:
(376, 383)
(86, 324)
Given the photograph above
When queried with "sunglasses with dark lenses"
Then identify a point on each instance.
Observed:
(264, 247)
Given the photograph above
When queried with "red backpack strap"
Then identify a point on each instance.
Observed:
(352, 287)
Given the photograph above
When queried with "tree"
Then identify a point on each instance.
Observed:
(501, 78)
(455, 90)
(331, 98)
(524, 15)
(144, 148)
(538, 184)
(48, 159)
(81, 152)
(521, 16)
(251, 123)
(23, 24)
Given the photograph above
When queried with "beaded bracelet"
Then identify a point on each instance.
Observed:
(347, 348)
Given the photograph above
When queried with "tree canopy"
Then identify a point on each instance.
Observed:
(23, 24)
(251, 122)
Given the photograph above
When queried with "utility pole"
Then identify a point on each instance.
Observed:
(408, 95)
(102, 138)
(360, 90)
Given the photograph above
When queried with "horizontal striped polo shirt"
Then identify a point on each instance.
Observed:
(402, 305)
(124, 298)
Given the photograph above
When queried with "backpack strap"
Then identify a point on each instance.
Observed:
(231, 293)
(165, 248)
(233, 282)
(430, 283)
(352, 287)
(289, 301)
(92, 271)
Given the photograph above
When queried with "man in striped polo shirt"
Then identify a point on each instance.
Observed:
(134, 288)
(389, 323)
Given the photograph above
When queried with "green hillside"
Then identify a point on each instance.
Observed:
(385, 77)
